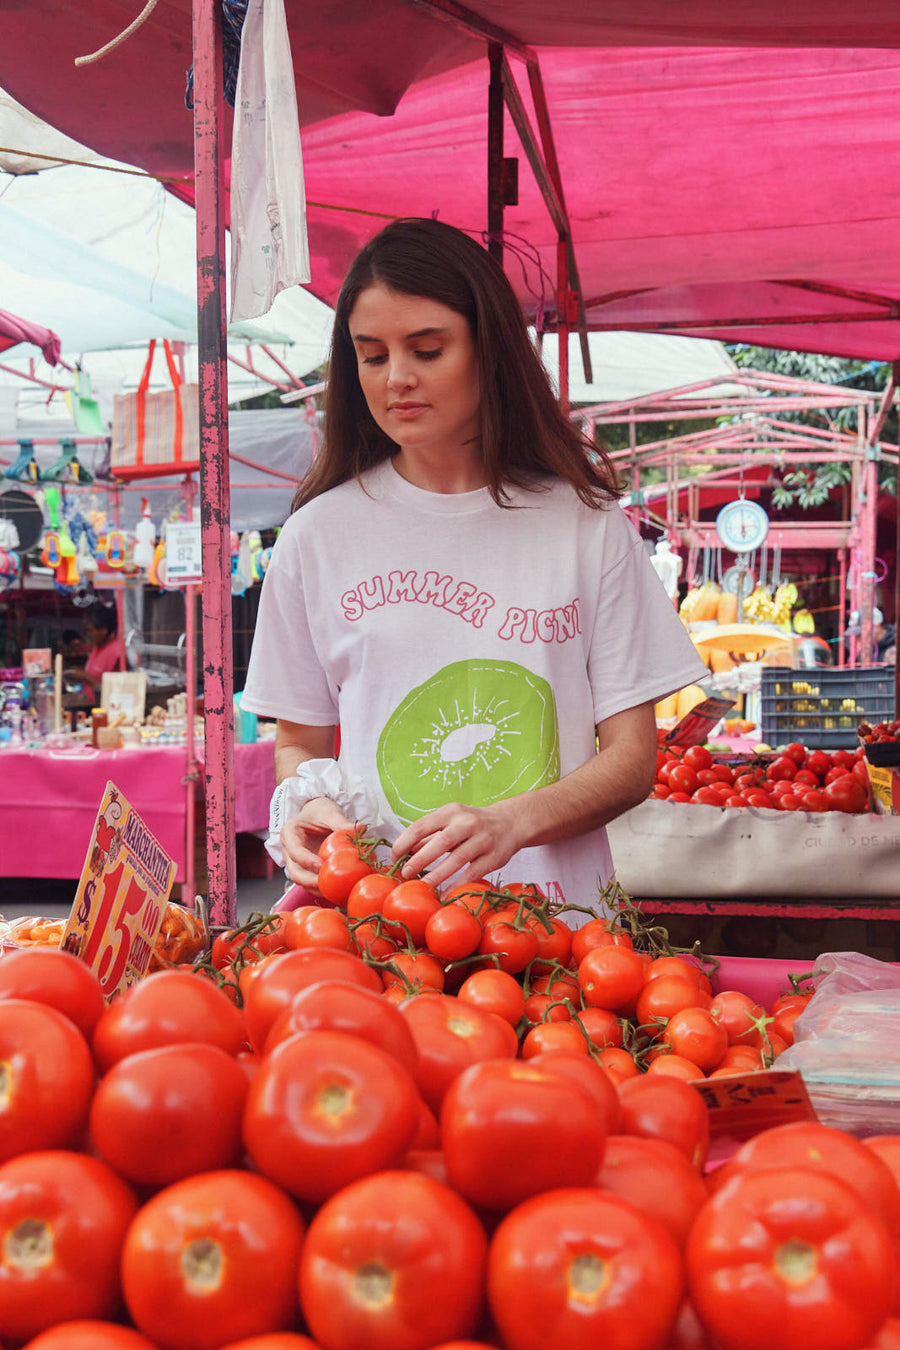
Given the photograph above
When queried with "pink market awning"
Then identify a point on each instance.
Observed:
(14, 330)
(746, 189)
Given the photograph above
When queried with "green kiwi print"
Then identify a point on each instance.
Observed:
(475, 732)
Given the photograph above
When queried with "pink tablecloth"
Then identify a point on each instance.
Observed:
(49, 801)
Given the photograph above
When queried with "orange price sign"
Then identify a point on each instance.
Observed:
(121, 897)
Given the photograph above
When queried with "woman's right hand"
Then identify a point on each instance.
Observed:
(302, 835)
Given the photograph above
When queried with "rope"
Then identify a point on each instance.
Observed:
(117, 41)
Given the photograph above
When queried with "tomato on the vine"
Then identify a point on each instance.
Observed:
(339, 873)
(495, 991)
(452, 932)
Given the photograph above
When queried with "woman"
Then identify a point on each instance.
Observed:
(106, 650)
(458, 589)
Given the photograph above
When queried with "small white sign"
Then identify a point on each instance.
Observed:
(184, 558)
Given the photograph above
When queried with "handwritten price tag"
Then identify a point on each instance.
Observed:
(740, 1105)
(121, 897)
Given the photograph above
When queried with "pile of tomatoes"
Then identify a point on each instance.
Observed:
(796, 779)
(882, 733)
(334, 1167)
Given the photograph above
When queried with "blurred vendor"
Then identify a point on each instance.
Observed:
(106, 650)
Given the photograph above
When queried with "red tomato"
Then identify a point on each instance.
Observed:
(412, 903)
(844, 758)
(576, 1268)
(63, 1219)
(90, 1335)
(807, 777)
(818, 762)
(342, 839)
(611, 977)
(847, 794)
(46, 1079)
(796, 752)
(452, 932)
(370, 938)
(495, 991)
(413, 971)
(275, 1340)
(275, 984)
(674, 1066)
(781, 768)
(510, 1131)
(707, 796)
(813, 799)
(514, 945)
(698, 757)
(757, 797)
(781, 787)
(553, 947)
(618, 1063)
(212, 1257)
(589, 1075)
(562, 1035)
(735, 799)
(695, 1034)
(394, 1260)
(316, 926)
(167, 1113)
(339, 873)
(657, 1178)
(682, 778)
(367, 896)
(450, 1036)
(325, 1109)
(820, 1148)
(471, 894)
(789, 801)
(167, 1008)
(662, 997)
(55, 977)
(335, 1005)
(739, 1015)
(788, 1257)
(597, 933)
(602, 1027)
(665, 1108)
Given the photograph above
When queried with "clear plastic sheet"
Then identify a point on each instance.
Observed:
(847, 1044)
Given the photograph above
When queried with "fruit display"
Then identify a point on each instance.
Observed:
(796, 779)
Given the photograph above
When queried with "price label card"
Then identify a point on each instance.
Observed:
(36, 661)
(184, 556)
(742, 1104)
(121, 897)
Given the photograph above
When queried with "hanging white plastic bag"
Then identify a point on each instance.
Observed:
(269, 248)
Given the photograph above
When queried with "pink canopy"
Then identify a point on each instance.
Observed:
(747, 189)
(14, 330)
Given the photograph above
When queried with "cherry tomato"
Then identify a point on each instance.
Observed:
(63, 1219)
(788, 1258)
(577, 1268)
(495, 991)
(163, 1114)
(325, 1109)
(165, 1008)
(211, 1257)
(452, 932)
(46, 1079)
(396, 1259)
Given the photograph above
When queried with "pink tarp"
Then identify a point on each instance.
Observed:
(721, 190)
(14, 330)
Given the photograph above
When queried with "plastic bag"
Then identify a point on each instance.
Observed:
(269, 249)
(847, 1044)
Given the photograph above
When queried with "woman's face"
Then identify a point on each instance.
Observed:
(95, 636)
(417, 369)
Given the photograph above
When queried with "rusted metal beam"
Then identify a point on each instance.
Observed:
(467, 21)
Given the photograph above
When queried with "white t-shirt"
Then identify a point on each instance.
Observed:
(467, 651)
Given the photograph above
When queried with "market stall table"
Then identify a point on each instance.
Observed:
(49, 800)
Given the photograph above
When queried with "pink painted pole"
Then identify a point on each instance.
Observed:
(209, 158)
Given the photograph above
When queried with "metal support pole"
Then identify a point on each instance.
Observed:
(867, 525)
(562, 321)
(495, 153)
(209, 159)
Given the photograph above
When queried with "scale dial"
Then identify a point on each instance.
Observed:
(742, 526)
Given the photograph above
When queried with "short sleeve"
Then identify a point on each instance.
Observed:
(639, 649)
(285, 678)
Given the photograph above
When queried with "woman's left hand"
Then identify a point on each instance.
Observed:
(470, 841)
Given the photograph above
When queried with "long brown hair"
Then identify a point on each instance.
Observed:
(525, 438)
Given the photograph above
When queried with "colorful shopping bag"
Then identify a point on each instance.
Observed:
(155, 434)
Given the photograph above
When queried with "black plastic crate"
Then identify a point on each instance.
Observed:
(822, 707)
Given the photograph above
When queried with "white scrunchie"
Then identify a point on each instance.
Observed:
(320, 778)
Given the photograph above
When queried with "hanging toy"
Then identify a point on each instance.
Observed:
(10, 567)
(50, 555)
(24, 467)
(67, 571)
(254, 549)
(115, 548)
(144, 538)
(238, 581)
(84, 556)
(157, 573)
